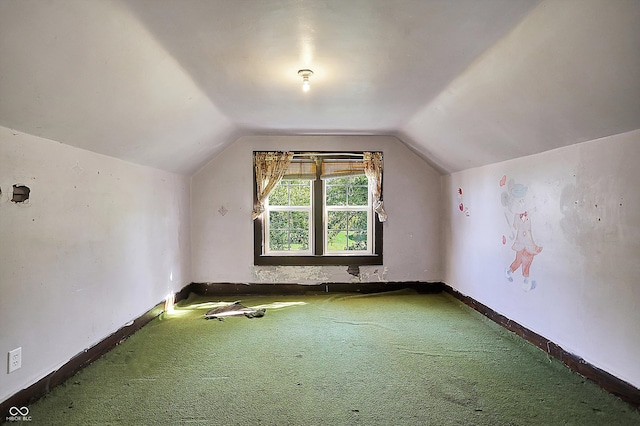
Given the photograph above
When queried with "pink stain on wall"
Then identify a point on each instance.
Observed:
(461, 206)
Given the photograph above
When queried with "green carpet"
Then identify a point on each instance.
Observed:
(397, 358)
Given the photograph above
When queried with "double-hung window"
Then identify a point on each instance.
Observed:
(289, 218)
(320, 212)
(347, 215)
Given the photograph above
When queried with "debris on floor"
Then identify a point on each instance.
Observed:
(233, 310)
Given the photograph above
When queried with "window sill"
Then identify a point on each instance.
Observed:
(348, 260)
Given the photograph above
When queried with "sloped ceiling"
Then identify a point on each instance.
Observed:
(464, 83)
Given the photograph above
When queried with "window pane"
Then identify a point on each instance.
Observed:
(300, 194)
(336, 231)
(336, 195)
(299, 220)
(357, 231)
(347, 191)
(288, 231)
(360, 180)
(358, 195)
(358, 221)
(291, 192)
(299, 240)
(336, 240)
(336, 220)
(357, 241)
(347, 230)
(278, 220)
(277, 240)
(279, 196)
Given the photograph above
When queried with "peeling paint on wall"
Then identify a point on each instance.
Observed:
(354, 270)
(290, 274)
(374, 275)
(318, 274)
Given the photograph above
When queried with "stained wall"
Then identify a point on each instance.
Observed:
(576, 213)
(222, 200)
(98, 243)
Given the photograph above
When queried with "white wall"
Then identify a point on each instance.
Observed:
(222, 245)
(584, 211)
(568, 73)
(99, 242)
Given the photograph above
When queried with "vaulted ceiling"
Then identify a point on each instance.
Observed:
(464, 83)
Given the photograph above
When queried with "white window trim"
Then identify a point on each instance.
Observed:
(269, 208)
(325, 211)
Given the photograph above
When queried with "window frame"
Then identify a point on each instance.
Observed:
(368, 209)
(306, 209)
(318, 256)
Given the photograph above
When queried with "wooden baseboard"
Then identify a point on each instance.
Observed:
(36, 391)
(607, 381)
(23, 398)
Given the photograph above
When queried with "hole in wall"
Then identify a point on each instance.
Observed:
(354, 270)
(20, 193)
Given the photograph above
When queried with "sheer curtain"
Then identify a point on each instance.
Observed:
(373, 171)
(270, 168)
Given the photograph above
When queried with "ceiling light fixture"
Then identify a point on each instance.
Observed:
(305, 78)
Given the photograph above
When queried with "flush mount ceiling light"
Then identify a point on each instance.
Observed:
(305, 78)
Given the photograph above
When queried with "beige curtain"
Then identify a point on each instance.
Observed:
(270, 167)
(373, 171)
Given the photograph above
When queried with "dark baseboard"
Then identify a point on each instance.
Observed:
(36, 391)
(205, 289)
(43, 386)
(23, 398)
(607, 381)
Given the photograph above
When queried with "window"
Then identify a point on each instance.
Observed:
(320, 212)
(288, 223)
(347, 215)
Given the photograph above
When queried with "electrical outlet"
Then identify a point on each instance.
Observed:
(15, 359)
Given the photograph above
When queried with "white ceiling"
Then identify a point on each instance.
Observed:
(170, 83)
